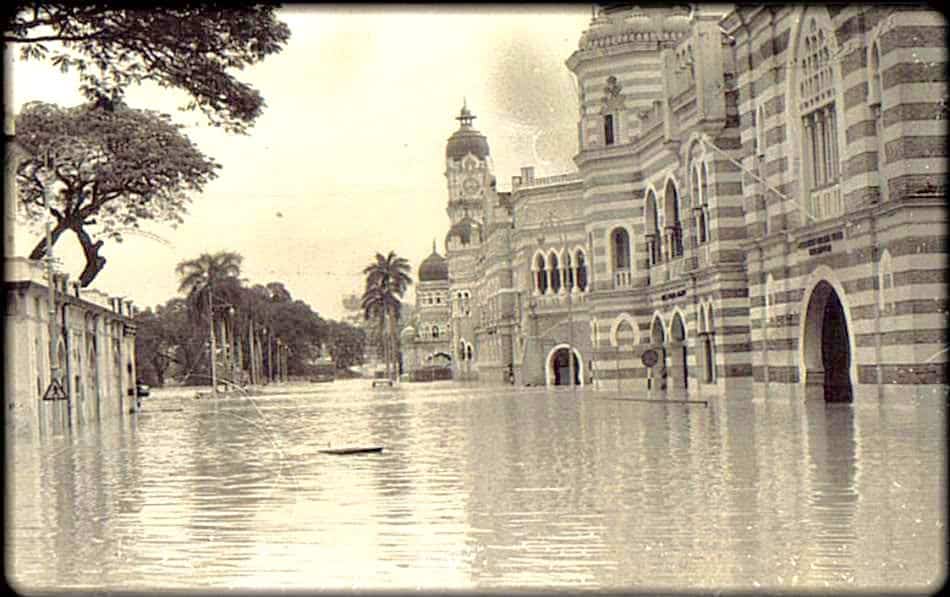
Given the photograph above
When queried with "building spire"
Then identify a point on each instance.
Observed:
(465, 116)
(433, 245)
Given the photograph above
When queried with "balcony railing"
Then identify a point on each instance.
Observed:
(560, 299)
(826, 202)
(623, 278)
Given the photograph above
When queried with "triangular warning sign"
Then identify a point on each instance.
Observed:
(55, 391)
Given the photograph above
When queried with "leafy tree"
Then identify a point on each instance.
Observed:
(108, 168)
(347, 344)
(387, 279)
(193, 47)
(168, 344)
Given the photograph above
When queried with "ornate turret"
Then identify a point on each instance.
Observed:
(466, 139)
(434, 268)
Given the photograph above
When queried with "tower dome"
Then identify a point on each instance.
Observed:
(434, 268)
(466, 139)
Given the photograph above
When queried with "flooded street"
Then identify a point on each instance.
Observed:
(482, 487)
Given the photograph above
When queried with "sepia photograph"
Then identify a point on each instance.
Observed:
(477, 298)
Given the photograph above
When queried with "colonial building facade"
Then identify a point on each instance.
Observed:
(90, 341)
(758, 206)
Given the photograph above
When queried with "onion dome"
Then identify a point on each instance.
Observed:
(434, 268)
(466, 139)
(465, 230)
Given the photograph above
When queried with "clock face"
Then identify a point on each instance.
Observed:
(470, 186)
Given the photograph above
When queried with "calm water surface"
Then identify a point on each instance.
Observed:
(482, 487)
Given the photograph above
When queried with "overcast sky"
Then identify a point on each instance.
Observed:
(348, 157)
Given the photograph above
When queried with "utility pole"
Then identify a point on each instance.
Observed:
(55, 390)
(214, 370)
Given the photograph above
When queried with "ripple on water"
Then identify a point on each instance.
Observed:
(482, 488)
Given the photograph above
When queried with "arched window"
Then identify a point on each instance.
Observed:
(608, 129)
(698, 233)
(540, 274)
(620, 241)
(819, 119)
(581, 265)
(555, 272)
(468, 352)
(435, 331)
(568, 272)
(654, 249)
(767, 296)
(709, 346)
(886, 283)
(674, 231)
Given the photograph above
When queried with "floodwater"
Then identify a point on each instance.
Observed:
(482, 488)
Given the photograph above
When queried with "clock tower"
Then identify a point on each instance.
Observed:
(467, 171)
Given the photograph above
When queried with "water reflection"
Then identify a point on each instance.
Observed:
(484, 488)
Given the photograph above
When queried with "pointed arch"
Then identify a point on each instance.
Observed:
(822, 278)
(657, 329)
(554, 270)
(673, 217)
(651, 218)
(539, 268)
(580, 267)
(677, 330)
(615, 329)
(701, 318)
(814, 110)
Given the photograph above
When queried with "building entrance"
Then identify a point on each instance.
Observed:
(561, 368)
(827, 347)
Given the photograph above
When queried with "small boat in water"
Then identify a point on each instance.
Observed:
(352, 450)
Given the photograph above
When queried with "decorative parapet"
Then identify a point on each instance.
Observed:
(21, 271)
(546, 181)
(611, 29)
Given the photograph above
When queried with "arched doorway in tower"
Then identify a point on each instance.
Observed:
(656, 375)
(827, 347)
(679, 372)
(559, 368)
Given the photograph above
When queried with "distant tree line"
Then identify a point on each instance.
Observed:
(261, 334)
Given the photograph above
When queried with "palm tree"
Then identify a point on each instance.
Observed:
(203, 278)
(387, 279)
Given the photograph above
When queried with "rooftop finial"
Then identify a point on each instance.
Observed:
(465, 116)
(433, 245)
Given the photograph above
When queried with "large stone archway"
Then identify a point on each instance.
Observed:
(557, 366)
(826, 355)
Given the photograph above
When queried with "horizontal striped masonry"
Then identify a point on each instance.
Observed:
(779, 201)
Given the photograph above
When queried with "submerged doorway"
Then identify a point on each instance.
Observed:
(827, 347)
(559, 367)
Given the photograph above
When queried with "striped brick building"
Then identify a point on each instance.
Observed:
(758, 204)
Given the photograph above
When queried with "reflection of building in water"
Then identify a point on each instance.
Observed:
(755, 204)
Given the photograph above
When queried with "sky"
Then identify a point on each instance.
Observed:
(348, 157)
